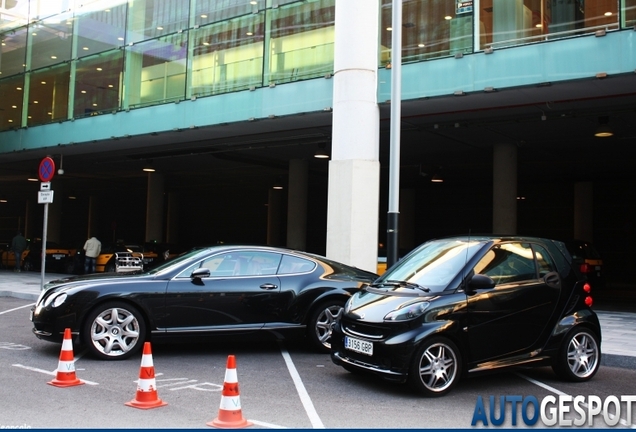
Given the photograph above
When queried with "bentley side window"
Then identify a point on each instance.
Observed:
(291, 264)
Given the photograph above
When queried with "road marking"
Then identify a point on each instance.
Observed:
(559, 392)
(15, 309)
(302, 392)
(54, 373)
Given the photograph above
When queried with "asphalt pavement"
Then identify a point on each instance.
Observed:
(618, 318)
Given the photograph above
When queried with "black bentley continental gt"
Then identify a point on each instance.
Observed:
(461, 305)
(218, 290)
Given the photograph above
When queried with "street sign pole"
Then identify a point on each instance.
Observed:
(45, 196)
(43, 257)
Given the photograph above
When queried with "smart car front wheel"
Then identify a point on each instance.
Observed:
(435, 368)
(114, 331)
(579, 356)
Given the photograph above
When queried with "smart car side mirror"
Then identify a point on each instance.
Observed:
(480, 281)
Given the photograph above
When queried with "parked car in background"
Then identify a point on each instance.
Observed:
(588, 261)
(56, 257)
(210, 291)
(461, 305)
(7, 258)
(106, 261)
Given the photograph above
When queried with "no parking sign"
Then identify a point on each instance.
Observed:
(47, 169)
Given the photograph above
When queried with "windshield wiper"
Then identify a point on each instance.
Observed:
(401, 284)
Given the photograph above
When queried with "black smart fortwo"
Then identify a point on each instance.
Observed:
(468, 304)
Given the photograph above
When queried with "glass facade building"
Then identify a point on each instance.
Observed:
(67, 59)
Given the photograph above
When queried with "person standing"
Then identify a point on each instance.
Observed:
(92, 249)
(18, 245)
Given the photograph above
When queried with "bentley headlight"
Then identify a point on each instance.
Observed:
(407, 312)
(56, 299)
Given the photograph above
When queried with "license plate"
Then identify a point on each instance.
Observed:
(357, 345)
(58, 256)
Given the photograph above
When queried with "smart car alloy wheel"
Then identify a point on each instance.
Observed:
(580, 356)
(435, 368)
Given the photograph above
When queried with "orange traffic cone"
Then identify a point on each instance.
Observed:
(66, 366)
(146, 396)
(230, 412)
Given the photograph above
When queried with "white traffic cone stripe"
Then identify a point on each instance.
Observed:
(146, 360)
(230, 376)
(67, 345)
(66, 366)
(147, 385)
(230, 403)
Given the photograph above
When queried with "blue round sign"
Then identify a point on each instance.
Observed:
(47, 169)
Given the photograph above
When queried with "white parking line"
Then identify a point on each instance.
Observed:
(15, 309)
(302, 392)
(54, 373)
(559, 392)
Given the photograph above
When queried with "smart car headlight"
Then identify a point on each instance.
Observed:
(56, 299)
(407, 312)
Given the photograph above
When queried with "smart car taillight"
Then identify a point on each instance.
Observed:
(588, 301)
(586, 268)
(587, 288)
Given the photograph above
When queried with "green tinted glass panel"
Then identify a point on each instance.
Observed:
(13, 52)
(48, 95)
(301, 43)
(227, 56)
(151, 19)
(14, 14)
(156, 70)
(11, 96)
(50, 43)
(98, 83)
(629, 13)
(100, 28)
(211, 11)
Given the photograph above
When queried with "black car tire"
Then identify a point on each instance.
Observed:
(109, 268)
(579, 356)
(114, 339)
(436, 367)
(321, 324)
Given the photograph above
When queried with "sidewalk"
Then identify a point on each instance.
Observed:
(618, 326)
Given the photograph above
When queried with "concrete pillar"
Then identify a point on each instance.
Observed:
(504, 196)
(172, 222)
(354, 169)
(583, 211)
(274, 213)
(154, 208)
(297, 204)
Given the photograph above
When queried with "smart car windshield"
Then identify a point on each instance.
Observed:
(434, 264)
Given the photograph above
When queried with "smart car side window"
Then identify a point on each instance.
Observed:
(544, 261)
(508, 263)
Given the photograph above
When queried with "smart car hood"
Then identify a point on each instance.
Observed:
(372, 304)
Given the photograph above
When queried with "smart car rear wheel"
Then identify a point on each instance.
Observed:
(579, 356)
(321, 324)
(435, 368)
(114, 331)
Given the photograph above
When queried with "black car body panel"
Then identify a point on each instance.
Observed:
(525, 299)
(205, 292)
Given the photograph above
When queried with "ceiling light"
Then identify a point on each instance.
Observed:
(321, 153)
(149, 167)
(278, 184)
(437, 177)
(603, 130)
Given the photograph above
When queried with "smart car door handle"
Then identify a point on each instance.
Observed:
(269, 286)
